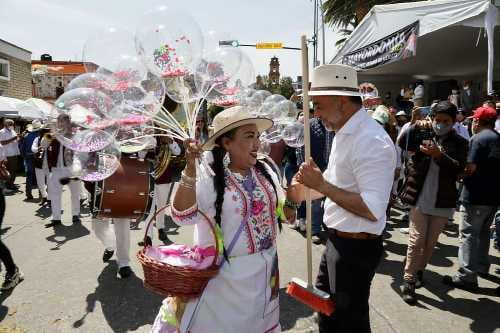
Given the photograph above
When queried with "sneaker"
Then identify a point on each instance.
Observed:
(53, 223)
(420, 279)
(408, 293)
(295, 225)
(405, 231)
(125, 272)
(460, 284)
(316, 239)
(12, 280)
(76, 219)
(43, 201)
(162, 235)
(302, 225)
(107, 255)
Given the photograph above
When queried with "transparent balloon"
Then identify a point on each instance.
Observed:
(112, 49)
(240, 80)
(97, 165)
(261, 95)
(212, 39)
(89, 80)
(182, 89)
(216, 69)
(77, 110)
(275, 99)
(88, 140)
(284, 111)
(132, 139)
(265, 146)
(155, 91)
(168, 40)
(272, 135)
(293, 134)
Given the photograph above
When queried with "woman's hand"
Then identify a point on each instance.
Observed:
(193, 151)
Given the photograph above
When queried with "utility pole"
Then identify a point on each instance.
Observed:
(322, 30)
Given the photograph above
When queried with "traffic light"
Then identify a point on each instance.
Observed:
(233, 43)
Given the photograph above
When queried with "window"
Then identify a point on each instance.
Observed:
(4, 69)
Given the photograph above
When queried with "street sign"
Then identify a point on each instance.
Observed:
(233, 43)
(273, 45)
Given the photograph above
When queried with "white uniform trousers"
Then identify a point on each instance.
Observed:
(42, 177)
(114, 237)
(55, 192)
(160, 200)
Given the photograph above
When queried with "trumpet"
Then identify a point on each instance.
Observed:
(48, 136)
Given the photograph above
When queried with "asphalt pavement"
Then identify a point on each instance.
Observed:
(67, 287)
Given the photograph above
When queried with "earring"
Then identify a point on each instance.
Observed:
(226, 160)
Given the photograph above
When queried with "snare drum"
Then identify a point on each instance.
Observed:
(127, 193)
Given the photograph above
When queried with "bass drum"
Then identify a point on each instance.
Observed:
(127, 193)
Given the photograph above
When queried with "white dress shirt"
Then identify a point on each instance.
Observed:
(362, 160)
(12, 148)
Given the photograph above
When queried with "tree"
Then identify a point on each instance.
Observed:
(286, 87)
(347, 14)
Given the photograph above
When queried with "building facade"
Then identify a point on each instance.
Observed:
(15, 71)
(50, 78)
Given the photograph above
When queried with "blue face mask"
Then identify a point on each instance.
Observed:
(441, 129)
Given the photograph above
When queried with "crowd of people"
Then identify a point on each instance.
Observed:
(427, 162)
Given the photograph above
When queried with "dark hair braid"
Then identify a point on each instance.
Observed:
(262, 169)
(220, 186)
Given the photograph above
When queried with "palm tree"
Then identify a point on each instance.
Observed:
(347, 14)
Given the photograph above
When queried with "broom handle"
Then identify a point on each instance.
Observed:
(307, 147)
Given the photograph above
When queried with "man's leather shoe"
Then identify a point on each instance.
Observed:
(76, 219)
(125, 272)
(457, 283)
(107, 255)
(53, 223)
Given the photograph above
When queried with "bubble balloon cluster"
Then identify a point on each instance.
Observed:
(118, 105)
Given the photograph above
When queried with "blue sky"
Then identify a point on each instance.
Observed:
(60, 27)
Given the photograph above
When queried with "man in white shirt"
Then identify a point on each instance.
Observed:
(357, 185)
(8, 139)
(59, 160)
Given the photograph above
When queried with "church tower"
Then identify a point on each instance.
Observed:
(274, 71)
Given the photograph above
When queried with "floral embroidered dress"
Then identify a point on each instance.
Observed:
(243, 297)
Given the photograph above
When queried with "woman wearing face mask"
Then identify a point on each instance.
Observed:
(437, 157)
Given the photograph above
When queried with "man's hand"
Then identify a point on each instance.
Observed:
(431, 150)
(290, 214)
(310, 175)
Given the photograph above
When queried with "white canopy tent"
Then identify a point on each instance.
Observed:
(32, 108)
(456, 40)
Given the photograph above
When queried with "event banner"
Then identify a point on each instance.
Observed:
(399, 45)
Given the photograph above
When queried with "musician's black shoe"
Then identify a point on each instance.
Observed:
(107, 255)
(125, 272)
(53, 223)
(149, 242)
(43, 201)
(162, 235)
(76, 219)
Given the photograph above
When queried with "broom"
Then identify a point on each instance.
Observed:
(305, 292)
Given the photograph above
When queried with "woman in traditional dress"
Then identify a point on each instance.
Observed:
(242, 199)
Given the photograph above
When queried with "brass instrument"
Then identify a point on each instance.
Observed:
(49, 137)
(162, 161)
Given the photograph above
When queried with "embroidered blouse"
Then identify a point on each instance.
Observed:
(260, 230)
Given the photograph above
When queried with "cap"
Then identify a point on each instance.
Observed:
(484, 113)
(401, 113)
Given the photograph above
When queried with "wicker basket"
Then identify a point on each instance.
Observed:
(168, 280)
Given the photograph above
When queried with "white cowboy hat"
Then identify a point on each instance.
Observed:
(35, 126)
(232, 118)
(334, 80)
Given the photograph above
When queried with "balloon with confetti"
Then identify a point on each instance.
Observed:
(168, 40)
(96, 165)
